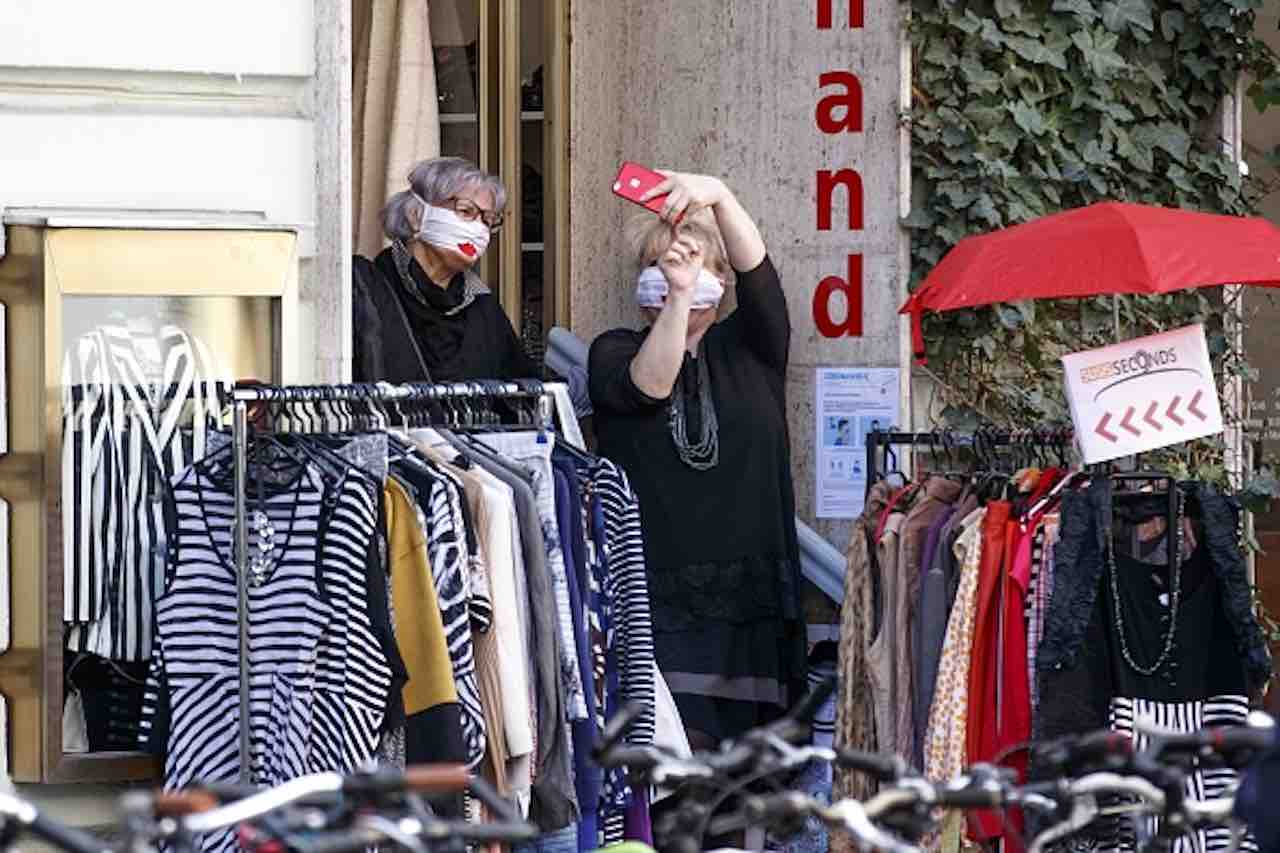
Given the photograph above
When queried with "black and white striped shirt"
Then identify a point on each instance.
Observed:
(123, 441)
(627, 588)
(1204, 784)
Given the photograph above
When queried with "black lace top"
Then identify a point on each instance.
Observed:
(1219, 646)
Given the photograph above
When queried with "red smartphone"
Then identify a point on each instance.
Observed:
(634, 181)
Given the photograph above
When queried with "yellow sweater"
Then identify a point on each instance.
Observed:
(419, 627)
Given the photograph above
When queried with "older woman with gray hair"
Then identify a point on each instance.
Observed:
(420, 311)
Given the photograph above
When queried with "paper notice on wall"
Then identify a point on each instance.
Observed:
(851, 402)
(1142, 394)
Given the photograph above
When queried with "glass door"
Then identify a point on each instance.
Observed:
(498, 73)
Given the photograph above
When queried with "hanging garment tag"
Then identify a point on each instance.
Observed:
(75, 731)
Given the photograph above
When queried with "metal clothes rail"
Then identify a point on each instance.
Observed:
(980, 441)
(242, 396)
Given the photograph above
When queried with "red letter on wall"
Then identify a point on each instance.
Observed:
(827, 183)
(855, 14)
(852, 325)
(851, 100)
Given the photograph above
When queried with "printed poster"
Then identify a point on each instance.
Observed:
(851, 402)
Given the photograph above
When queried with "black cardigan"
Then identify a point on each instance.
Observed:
(483, 344)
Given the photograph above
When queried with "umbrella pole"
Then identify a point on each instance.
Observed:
(1115, 314)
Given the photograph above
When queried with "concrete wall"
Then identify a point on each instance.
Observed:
(150, 104)
(239, 105)
(729, 87)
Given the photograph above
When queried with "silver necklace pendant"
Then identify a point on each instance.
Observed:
(260, 562)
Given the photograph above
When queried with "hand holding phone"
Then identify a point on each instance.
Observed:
(633, 181)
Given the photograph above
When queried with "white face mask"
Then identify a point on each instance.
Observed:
(651, 289)
(445, 229)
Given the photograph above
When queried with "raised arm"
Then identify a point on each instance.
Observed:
(656, 366)
(762, 306)
(685, 192)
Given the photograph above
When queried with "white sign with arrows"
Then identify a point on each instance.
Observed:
(1142, 394)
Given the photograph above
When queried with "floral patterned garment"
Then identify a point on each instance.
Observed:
(944, 746)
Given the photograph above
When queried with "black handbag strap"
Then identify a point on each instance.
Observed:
(374, 276)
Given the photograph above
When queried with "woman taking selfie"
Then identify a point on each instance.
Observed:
(420, 311)
(694, 411)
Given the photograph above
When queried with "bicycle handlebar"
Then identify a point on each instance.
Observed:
(33, 821)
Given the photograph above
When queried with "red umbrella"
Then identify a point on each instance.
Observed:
(1106, 248)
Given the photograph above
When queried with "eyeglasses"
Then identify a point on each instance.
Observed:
(471, 212)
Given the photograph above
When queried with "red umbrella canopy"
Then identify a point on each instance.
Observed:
(1106, 248)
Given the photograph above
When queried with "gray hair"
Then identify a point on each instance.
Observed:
(434, 181)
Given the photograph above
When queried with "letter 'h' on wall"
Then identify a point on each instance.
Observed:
(840, 113)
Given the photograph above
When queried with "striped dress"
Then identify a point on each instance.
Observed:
(318, 679)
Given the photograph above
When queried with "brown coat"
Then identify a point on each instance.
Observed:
(855, 711)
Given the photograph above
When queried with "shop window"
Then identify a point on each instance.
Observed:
(118, 338)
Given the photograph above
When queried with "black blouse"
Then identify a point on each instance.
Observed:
(477, 342)
(743, 509)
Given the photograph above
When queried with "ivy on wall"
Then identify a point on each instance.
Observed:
(1022, 108)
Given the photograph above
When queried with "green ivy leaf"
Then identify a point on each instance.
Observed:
(1008, 8)
(1027, 117)
(954, 135)
(1095, 154)
(1172, 22)
(1034, 50)
(991, 33)
(1084, 9)
(1006, 137)
(1261, 489)
(1174, 140)
(1099, 51)
(981, 79)
(969, 23)
(984, 208)
(1198, 67)
(1135, 15)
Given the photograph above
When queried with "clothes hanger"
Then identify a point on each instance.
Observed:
(83, 656)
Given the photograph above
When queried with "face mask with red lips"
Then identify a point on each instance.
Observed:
(445, 229)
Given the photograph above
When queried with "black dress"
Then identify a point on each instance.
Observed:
(1203, 682)
(476, 342)
(720, 544)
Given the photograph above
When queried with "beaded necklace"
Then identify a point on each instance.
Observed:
(703, 454)
(1174, 597)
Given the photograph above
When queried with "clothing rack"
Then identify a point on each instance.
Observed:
(946, 441)
(242, 396)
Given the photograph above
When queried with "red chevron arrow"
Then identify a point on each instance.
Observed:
(1151, 410)
(1191, 407)
(1127, 422)
(1172, 415)
(1101, 428)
